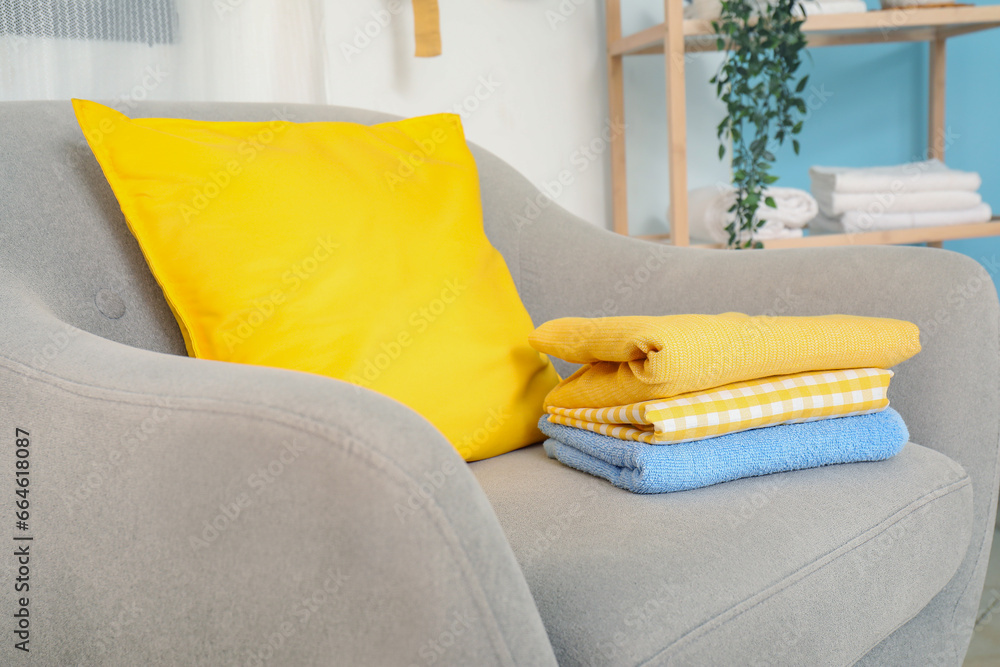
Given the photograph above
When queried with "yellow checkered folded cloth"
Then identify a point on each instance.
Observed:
(782, 399)
(635, 359)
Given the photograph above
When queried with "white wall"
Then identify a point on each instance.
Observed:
(528, 80)
(548, 97)
(646, 109)
(528, 77)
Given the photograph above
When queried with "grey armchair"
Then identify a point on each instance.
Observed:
(187, 512)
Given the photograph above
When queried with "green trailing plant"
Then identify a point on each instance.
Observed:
(763, 42)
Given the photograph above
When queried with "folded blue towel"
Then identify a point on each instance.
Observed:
(646, 468)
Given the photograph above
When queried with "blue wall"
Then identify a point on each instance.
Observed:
(876, 113)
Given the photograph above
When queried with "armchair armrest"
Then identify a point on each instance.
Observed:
(194, 512)
(949, 394)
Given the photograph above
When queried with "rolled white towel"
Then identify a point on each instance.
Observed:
(910, 177)
(897, 202)
(708, 213)
(815, 7)
(774, 230)
(795, 208)
(703, 9)
(858, 222)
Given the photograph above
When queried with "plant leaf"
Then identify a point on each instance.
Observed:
(758, 84)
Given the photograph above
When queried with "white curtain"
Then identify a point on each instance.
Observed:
(527, 77)
(129, 50)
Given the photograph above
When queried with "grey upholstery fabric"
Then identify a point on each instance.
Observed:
(811, 567)
(200, 513)
(948, 394)
(140, 449)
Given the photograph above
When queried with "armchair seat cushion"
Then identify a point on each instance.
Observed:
(821, 562)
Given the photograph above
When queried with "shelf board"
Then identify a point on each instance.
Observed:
(884, 237)
(893, 236)
(872, 27)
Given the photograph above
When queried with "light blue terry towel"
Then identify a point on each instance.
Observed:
(644, 468)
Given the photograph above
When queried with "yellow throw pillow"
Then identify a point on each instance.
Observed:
(350, 251)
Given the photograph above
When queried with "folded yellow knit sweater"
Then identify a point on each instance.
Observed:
(634, 359)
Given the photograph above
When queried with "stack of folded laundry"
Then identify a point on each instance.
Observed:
(917, 194)
(682, 401)
(708, 213)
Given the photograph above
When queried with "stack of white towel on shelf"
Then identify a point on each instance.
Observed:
(814, 7)
(708, 213)
(917, 194)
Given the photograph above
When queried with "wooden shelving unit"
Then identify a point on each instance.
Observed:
(677, 36)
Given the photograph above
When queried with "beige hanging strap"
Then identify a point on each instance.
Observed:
(427, 26)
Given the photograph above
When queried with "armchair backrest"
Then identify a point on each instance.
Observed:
(64, 238)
